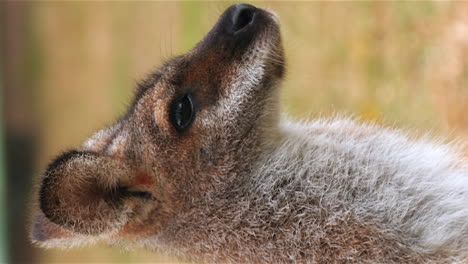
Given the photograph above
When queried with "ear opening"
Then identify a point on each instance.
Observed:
(81, 192)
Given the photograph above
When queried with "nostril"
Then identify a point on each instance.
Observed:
(242, 16)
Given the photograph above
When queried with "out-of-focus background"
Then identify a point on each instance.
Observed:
(68, 68)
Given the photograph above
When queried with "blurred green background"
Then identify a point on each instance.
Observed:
(68, 68)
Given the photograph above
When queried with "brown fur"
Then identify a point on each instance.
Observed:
(202, 192)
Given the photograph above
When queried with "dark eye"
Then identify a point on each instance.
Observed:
(182, 112)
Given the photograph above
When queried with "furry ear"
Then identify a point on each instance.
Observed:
(84, 193)
(46, 233)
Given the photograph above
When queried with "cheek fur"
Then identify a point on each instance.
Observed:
(143, 178)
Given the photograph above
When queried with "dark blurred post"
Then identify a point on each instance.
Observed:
(19, 126)
(3, 228)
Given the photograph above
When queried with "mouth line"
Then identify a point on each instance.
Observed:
(140, 194)
(122, 192)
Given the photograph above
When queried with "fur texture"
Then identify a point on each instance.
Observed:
(241, 185)
(335, 191)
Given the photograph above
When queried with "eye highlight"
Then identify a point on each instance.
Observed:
(182, 112)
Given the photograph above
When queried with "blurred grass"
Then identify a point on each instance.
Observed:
(396, 63)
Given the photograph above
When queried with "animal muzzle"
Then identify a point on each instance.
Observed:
(236, 30)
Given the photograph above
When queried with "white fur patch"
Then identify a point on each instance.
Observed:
(418, 188)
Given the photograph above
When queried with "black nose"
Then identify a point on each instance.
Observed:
(242, 16)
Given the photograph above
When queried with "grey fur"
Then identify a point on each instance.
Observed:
(241, 185)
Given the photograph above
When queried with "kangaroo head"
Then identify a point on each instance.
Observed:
(192, 128)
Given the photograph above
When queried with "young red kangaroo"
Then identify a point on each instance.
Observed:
(202, 166)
